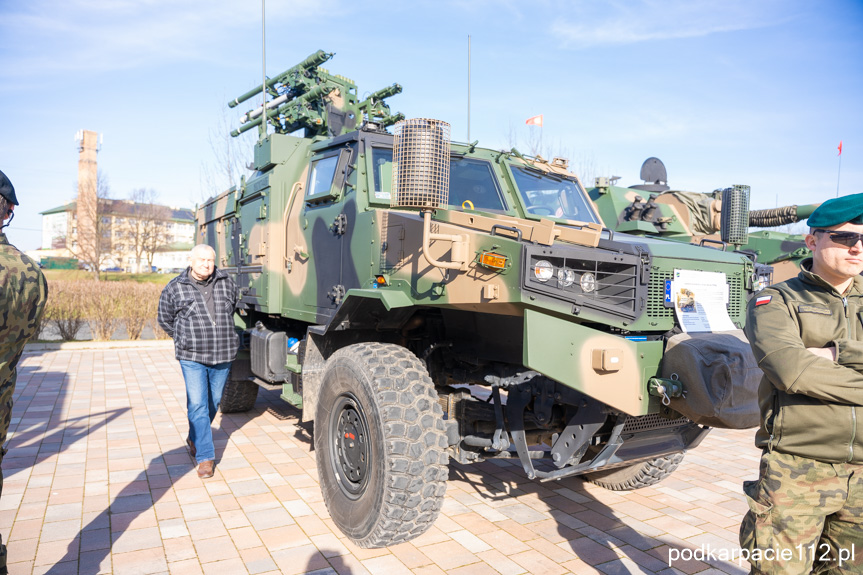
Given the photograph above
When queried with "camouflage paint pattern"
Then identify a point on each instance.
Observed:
(290, 257)
(312, 247)
(809, 513)
(771, 247)
(23, 293)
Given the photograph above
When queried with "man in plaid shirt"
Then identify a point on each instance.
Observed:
(196, 309)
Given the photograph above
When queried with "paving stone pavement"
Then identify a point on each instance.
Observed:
(98, 481)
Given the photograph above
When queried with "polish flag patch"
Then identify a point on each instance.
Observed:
(763, 300)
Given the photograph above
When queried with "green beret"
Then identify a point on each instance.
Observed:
(6, 189)
(838, 211)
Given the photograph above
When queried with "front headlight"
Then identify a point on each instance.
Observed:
(588, 282)
(761, 282)
(762, 277)
(565, 277)
(543, 270)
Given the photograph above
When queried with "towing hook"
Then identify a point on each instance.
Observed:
(666, 388)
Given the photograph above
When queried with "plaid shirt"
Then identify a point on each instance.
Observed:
(184, 316)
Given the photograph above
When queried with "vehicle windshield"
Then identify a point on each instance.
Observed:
(472, 184)
(553, 196)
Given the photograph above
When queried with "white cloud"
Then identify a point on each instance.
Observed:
(602, 23)
(48, 36)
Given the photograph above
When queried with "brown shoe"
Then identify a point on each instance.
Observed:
(191, 447)
(206, 469)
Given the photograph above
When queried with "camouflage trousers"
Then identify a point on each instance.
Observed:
(7, 389)
(805, 516)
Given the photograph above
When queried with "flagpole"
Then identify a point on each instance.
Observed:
(839, 171)
(468, 88)
(838, 174)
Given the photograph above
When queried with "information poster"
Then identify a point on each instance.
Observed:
(700, 301)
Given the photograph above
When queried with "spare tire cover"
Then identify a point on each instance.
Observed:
(720, 377)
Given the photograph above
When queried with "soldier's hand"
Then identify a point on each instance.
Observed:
(825, 352)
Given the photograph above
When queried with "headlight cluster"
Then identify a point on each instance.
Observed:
(543, 271)
(596, 281)
(761, 282)
(762, 277)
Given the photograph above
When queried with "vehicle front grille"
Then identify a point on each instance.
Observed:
(616, 279)
(656, 295)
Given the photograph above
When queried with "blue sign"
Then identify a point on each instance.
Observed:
(668, 294)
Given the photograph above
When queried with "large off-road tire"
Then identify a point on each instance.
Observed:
(380, 444)
(239, 394)
(637, 475)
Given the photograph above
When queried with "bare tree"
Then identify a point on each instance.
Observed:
(156, 230)
(533, 141)
(229, 157)
(141, 227)
(92, 246)
(511, 137)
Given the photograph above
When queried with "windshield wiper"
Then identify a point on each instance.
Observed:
(540, 175)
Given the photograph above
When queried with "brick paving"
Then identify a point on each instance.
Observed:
(98, 481)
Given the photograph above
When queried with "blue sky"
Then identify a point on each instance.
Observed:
(724, 92)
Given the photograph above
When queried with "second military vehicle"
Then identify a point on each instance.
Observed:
(697, 218)
(422, 300)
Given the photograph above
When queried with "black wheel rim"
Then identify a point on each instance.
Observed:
(350, 446)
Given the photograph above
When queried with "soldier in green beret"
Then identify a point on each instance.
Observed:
(806, 509)
(23, 292)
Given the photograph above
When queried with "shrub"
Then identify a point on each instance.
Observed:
(137, 306)
(65, 307)
(103, 307)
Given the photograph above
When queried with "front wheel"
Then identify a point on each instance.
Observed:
(380, 444)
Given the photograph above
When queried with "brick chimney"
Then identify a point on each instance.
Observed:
(87, 192)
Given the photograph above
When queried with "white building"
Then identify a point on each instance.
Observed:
(176, 230)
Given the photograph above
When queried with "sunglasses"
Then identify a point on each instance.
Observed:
(847, 239)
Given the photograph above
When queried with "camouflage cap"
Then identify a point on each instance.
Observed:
(838, 211)
(7, 190)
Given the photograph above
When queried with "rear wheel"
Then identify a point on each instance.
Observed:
(637, 475)
(239, 394)
(380, 444)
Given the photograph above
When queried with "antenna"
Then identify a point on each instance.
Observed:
(468, 87)
(262, 130)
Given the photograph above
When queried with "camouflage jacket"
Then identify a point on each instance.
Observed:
(198, 336)
(810, 406)
(23, 292)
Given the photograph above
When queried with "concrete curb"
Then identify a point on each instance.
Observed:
(120, 344)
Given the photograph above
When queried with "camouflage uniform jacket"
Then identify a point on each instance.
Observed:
(23, 292)
(184, 316)
(810, 406)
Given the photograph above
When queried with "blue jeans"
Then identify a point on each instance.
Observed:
(204, 386)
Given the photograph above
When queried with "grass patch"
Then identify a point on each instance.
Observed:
(82, 275)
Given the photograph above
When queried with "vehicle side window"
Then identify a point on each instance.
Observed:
(382, 166)
(474, 181)
(321, 176)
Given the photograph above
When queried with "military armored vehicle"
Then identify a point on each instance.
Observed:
(695, 217)
(421, 299)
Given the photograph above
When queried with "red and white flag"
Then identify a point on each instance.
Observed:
(840, 141)
(535, 121)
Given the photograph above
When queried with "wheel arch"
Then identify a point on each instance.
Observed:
(365, 315)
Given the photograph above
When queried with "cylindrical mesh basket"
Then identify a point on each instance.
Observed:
(421, 163)
(734, 220)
